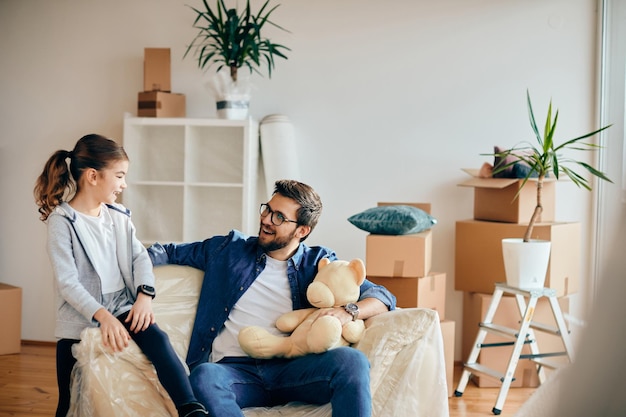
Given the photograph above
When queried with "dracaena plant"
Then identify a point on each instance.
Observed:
(230, 39)
(545, 158)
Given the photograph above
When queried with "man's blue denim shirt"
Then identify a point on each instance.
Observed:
(230, 264)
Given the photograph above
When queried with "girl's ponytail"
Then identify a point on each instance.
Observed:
(53, 184)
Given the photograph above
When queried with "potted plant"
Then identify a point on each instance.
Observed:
(540, 160)
(232, 40)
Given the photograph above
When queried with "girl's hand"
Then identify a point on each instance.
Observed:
(141, 315)
(114, 334)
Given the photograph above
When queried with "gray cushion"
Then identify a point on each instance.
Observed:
(393, 220)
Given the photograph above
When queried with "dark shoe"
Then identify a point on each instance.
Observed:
(194, 409)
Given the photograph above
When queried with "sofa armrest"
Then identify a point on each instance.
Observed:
(106, 383)
(408, 375)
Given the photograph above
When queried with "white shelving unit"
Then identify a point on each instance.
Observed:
(190, 179)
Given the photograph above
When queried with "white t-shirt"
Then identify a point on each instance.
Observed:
(100, 237)
(261, 305)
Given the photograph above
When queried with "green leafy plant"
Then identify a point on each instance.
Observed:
(232, 39)
(545, 158)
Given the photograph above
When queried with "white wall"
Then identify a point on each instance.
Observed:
(389, 101)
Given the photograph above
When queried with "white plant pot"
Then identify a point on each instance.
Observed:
(526, 263)
(233, 109)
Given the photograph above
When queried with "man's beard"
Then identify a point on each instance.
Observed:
(277, 243)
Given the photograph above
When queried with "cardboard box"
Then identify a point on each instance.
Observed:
(475, 307)
(447, 332)
(11, 323)
(399, 256)
(157, 69)
(160, 104)
(423, 292)
(494, 199)
(478, 254)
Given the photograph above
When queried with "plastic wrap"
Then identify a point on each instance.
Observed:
(408, 374)
(125, 383)
(405, 349)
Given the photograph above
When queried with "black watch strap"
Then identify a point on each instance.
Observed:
(146, 289)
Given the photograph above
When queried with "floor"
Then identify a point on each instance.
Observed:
(28, 388)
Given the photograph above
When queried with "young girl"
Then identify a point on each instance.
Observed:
(103, 273)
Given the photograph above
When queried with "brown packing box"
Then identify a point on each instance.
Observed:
(475, 307)
(478, 254)
(494, 198)
(11, 324)
(447, 333)
(399, 256)
(382, 262)
(423, 292)
(160, 104)
(157, 69)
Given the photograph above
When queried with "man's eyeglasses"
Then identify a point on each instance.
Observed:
(276, 217)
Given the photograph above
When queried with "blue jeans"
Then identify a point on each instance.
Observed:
(339, 376)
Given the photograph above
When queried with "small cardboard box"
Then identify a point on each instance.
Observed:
(478, 254)
(447, 332)
(11, 324)
(475, 307)
(494, 198)
(157, 69)
(399, 256)
(423, 292)
(160, 104)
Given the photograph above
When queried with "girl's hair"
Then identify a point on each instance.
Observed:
(58, 181)
(310, 202)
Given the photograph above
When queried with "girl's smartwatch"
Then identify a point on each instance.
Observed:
(146, 289)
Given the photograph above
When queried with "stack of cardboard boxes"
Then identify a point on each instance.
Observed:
(402, 264)
(157, 100)
(479, 265)
(11, 325)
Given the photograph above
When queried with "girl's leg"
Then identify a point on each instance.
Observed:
(65, 364)
(155, 344)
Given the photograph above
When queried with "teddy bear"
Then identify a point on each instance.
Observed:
(336, 284)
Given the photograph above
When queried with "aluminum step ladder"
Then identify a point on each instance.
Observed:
(523, 336)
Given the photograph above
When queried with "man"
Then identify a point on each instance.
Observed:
(252, 281)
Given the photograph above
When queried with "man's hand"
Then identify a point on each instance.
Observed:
(339, 313)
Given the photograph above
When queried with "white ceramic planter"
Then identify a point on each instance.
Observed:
(233, 109)
(526, 263)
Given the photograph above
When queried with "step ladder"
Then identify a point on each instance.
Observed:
(524, 335)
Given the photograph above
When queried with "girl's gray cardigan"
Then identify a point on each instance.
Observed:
(78, 285)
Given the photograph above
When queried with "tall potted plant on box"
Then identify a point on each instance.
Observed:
(233, 40)
(523, 266)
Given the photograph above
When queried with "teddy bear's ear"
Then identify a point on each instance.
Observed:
(359, 268)
(322, 263)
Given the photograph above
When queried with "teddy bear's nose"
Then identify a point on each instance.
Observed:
(319, 295)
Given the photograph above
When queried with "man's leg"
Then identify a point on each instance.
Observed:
(340, 376)
(228, 386)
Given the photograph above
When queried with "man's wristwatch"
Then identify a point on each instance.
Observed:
(146, 289)
(353, 309)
